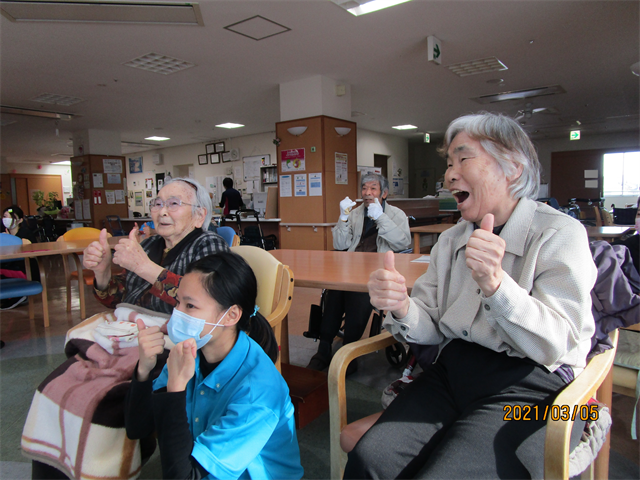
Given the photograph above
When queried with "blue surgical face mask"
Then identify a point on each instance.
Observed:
(182, 327)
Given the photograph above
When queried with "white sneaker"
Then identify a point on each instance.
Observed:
(17, 303)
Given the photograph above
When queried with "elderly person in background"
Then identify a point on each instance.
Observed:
(507, 299)
(374, 226)
(181, 214)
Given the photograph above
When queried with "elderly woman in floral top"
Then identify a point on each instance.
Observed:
(181, 214)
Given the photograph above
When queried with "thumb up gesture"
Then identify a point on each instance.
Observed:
(484, 255)
(345, 207)
(388, 290)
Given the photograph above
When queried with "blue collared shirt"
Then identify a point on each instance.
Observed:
(241, 417)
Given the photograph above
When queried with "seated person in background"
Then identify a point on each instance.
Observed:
(181, 214)
(632, 242)
(13, 223)
(231, 199)
(507, 299)
(375, 226)
(220, 408)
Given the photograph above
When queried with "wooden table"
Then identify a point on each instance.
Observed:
(436, 229)
(39, 250)
(609, 233)
(347, 271)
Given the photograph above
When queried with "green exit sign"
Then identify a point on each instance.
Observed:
(574, 135)
(427, 138)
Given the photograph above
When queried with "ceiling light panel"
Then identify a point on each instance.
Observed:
(55, 99)
(404, 127)
(474, 67)
(257, 28)
(30, 112)
(230, 125)
(157, 139)
(362, 7)
(102, 12)
(154, 62)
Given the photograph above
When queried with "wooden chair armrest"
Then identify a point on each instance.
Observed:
(337, 391)
(576, 394)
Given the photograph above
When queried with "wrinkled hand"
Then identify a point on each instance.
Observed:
(374, 210)
(129, 254)
(388, 289)
(97, 257)
(484, 255)
(150, 345)
(181, 365)
(345, 207)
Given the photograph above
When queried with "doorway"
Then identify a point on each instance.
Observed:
(381, 161)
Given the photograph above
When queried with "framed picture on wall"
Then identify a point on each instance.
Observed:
(135, 164)
(210, 148)
(202, 159)
(226, 156)
(214, 158)
(219, 147)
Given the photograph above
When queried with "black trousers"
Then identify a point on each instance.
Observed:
(356, 308)
(449, 423)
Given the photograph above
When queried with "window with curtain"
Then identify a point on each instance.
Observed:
(621, 174)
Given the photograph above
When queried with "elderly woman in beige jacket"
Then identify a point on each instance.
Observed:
(507, 299)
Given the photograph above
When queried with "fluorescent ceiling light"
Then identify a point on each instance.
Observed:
(230, 125)
(520, 94)
(62, 162)
(362, 7)
(404, 127)
(157, 139)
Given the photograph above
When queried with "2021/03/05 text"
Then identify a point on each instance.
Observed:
(556, 412)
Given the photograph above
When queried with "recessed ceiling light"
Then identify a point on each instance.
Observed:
(157, 139)
(483, 65)
(61, 162)
(404, 127)
(230, 125)
(361, 7)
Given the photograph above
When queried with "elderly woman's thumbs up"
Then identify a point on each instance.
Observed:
(484, 254)
(388, 289)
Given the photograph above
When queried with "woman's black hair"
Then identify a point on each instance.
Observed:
(227, 182)
(229, 280)
(15, 211)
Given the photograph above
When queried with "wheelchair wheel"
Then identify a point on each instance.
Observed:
(396, 355)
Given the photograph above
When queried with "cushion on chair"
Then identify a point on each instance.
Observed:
(17, 287)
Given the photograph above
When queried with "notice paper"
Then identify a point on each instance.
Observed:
(315, 184)
(97, 180)
(86, 207)
(112, 165)
(120, 196)
(114, 178)
(301, 185)
(111, 196)
(422, 259)
(591, 184)
(285, 185)
(77, 208)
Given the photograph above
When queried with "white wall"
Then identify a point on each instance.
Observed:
(397, 148)
(250, 145)
(32, 168)
(587, 142)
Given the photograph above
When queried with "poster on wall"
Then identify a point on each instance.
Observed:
(301, 185)
(292, 160)
(138, 198)
(342, 177)
(120, 195)
(135, 164)
(97, 180)
(148, 183)
(285, 185)
(111, 197)
(398, 185)
(112, 165)
(315, 184)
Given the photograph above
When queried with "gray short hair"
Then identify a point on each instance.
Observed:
(375, 177)
(202, 199)
(505, 140)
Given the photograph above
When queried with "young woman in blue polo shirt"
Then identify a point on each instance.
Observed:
(220, 408)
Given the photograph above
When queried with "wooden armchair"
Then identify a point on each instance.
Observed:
(595, 379)
(275, 287)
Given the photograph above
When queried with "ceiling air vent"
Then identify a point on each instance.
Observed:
(520, 94)
(55, 99)
(102, 12)
(154, 62)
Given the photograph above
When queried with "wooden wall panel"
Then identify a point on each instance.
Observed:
(334, 143)
(304, 238)
(301, 209)
(27, 183)
(6, 198)
(567, 174)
